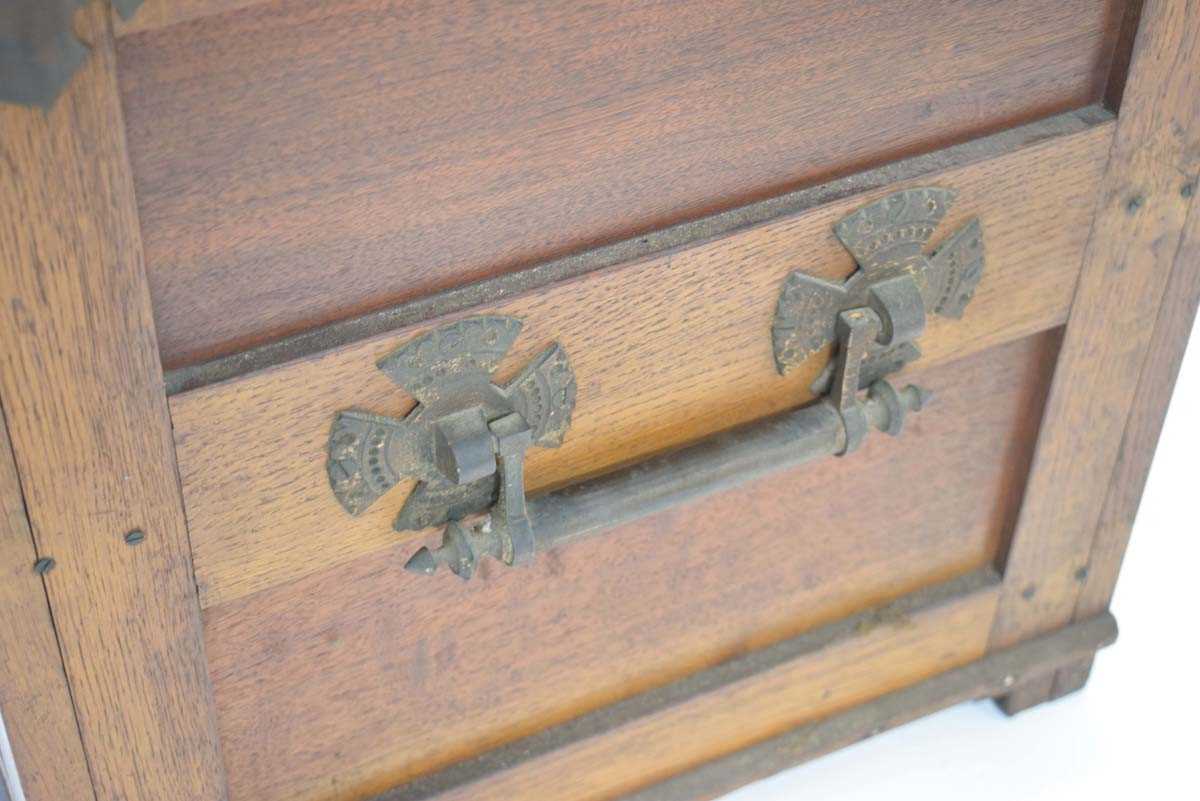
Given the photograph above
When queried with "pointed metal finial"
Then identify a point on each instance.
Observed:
(423, 562)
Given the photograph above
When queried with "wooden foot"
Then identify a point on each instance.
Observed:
(1046, 687)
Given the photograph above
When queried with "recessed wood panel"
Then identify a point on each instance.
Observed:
(666, 350)
(303, 161)
(829, 669)
(361, 675)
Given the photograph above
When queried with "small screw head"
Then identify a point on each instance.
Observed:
(135, 536)
(1134, 203)
(1188, 189)
(43, 565)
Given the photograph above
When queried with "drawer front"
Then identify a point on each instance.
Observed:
(304, 161)
(361, 675)
(337, 674)
(261, 229)
(665, 350)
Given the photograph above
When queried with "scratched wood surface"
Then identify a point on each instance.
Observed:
(1153, 393)
(360, 675)
(303, 161)
(1176, 316)
(81, 386)
(35, 700)
(665, 351)
(1143, 202)
(879, 654)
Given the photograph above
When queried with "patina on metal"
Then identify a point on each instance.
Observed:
(458, 299)
(39, 51)
(874, 318)
(895, 277)
(465, 441)
(722, 461)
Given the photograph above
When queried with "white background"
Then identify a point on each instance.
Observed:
(1132, 733)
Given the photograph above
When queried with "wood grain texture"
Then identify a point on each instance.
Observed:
(1133, 244)
(665, 350)
(838, 666)
(81, 384)
(983, 678)
(305, 161)
(1176, 316)
(1153, 394)
(357, 677)
(35, 700)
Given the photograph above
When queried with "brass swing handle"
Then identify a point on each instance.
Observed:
(466, 441)
(716, 463)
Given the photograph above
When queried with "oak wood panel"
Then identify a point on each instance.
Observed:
(356, 677)
(850, 662)
(35, 701)
(304, 161)
(1133, 244)
(1153, 393)
(983, 678)
(1163, 359)
(81, 385)
(665, 350)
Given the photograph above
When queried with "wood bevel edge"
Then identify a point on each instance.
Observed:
(1122, 55)
(987, 677)
(333, 336)
(984, 678)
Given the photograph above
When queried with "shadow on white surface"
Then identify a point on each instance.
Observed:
(1129, 734)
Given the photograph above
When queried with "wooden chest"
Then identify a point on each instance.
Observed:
(312, 309)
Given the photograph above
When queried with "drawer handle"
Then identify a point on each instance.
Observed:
(877, 313)
(466, 440)
(466, 435)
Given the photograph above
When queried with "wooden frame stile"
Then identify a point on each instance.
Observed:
(35, 701)
(82, 391)
(1133, 305)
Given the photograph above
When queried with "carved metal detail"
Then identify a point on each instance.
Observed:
(887, 239)
(447, 443)
(467, 430)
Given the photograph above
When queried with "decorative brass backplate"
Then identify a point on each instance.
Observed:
(886, 239)
(448, 370)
